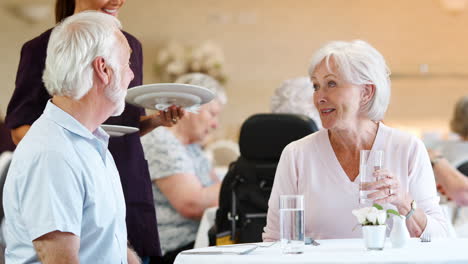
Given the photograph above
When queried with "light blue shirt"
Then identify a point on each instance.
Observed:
(63, 177)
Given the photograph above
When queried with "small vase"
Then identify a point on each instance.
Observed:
(399, 235)
(374, 236)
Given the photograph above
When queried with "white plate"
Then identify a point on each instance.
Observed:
(151, 95)
(118, 131)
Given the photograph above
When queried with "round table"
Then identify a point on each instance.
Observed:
(450, 250)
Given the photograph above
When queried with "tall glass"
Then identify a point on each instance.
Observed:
(292, 224)
(369, 161)
(378, 159)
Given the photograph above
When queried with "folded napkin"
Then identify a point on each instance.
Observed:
(191, 109)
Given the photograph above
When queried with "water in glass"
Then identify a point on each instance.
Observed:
(370, 161)
(292, 230)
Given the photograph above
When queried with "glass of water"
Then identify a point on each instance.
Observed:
(369, 161)
(292, 223)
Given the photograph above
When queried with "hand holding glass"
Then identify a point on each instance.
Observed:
(292, 223)
(369, 161)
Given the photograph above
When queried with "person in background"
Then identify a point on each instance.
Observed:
(352, 93)
(184, 182)
(30, 98)
(452, 155)
(295, 96)
(63, 199)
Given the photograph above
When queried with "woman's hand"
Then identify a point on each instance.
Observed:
(166, 118)
(387, 189)
(169, 117)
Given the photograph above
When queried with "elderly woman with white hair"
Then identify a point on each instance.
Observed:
(294, 96)
(352, 92)
(184, 182)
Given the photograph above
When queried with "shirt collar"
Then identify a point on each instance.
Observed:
(99, 137)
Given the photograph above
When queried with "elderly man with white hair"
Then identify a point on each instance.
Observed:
(63, 199)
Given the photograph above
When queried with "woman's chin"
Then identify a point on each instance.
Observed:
(328, 124)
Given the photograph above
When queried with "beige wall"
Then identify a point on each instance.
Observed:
(268, 41)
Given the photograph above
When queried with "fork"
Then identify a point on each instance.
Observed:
(311, 241)
(425, 237)
(256, 244)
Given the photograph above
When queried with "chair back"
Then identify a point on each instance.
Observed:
(463, 168)
(246, 188)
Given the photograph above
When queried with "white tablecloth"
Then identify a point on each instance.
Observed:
(452, 250)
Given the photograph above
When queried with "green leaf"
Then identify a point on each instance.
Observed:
(378, 206)
(391, 211)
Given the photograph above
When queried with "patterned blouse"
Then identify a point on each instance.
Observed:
(167, 156)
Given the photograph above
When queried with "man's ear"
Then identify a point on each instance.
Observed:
(367, 93)
(101, 70)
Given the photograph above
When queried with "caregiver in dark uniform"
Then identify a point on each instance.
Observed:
(29, 100)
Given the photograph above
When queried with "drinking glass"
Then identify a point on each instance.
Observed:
(378, 159)
(292, 223)
(369, 161)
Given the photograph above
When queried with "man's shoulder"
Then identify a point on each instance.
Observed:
(44, 136)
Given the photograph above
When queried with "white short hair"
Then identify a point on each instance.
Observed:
(295, 96)
(206, 81)
(73, 45)
(359, 63)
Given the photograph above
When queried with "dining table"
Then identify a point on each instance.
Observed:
(438, 250)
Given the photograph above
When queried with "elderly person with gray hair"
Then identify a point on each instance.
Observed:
(184, 182)
(63, 199)
(352, 92)
(295, 96)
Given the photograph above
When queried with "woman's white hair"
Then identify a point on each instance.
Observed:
(206, 81)
(360, 64)
(73, 45)
(295, 96)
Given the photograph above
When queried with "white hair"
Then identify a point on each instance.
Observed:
(73, 45)
(359, 63)
(295, 96)
(205, 81)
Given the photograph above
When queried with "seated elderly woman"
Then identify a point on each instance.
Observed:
(352, 93)
(295, 97)
(453, 155)
(184, 183)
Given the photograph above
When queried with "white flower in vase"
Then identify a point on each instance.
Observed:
(373, 221)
